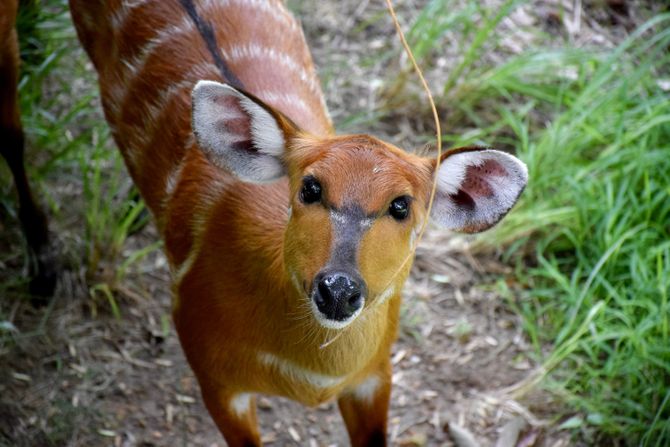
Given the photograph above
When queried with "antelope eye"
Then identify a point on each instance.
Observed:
(399, 208)
(311, 190)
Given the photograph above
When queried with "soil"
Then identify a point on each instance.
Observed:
(78, 376)
(73, 373)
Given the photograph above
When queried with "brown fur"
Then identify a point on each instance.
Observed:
(231, 244)
(10, 117)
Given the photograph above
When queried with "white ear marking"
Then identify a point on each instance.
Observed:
(477, 188)
(237, 133)
(268, 138)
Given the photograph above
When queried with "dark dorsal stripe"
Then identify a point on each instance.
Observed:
(207, 33)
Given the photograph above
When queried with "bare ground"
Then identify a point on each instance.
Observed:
(73, 374)
(84, 380)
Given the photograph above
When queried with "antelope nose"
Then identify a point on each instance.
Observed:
(338, 295)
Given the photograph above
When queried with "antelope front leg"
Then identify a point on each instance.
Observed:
(234, 414)
(364, 408)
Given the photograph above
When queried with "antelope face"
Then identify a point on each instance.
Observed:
(356, 203)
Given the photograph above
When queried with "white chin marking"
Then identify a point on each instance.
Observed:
(333, 324)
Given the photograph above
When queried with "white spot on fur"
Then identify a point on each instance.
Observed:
(298, 374)
(367, 222)
(338, 217)
(365, 392)
(241, 404)
(342, 219)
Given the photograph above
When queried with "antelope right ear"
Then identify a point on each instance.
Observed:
(239, 132)
(476, 187)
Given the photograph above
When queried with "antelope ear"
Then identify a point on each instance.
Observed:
(240, 133)
(476, 187)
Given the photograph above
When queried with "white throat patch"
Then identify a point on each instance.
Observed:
(298, 374)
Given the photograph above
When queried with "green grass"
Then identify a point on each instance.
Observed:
(597, 211)
(75, 168)
(591, 236)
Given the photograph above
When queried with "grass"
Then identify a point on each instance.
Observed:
(77, 171)
(591, 236)
(597, 213)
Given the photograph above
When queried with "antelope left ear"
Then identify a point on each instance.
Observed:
(476, 187)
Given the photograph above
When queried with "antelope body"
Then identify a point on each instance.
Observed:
(287, 243)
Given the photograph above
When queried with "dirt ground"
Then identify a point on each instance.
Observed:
(78, 380)
(73, 374)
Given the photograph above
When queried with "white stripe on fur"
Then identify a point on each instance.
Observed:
(245, 51)
(272, 9)
(121, 15)
(298, 374)
(278, 98)
(136, 64)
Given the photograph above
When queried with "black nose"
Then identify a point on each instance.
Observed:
(338, 295)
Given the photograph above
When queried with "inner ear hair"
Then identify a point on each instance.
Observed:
(476, 187)
(239, 132)
(286, 124)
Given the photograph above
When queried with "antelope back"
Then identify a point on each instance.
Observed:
(150, 53)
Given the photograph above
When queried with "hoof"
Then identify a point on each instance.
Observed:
(43, 278)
